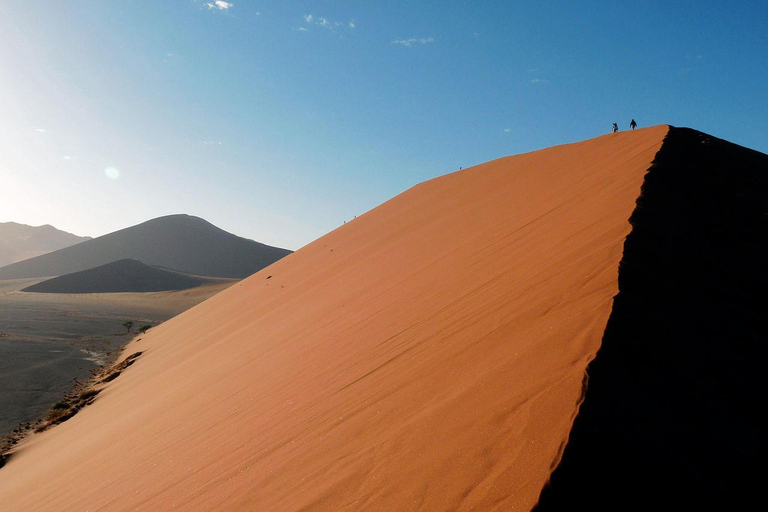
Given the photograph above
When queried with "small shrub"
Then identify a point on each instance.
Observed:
(85, 395)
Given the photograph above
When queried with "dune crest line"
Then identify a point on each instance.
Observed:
(671, 413)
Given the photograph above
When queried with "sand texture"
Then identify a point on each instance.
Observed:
(428, 355)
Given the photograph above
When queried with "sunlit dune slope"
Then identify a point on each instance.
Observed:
(428, 355)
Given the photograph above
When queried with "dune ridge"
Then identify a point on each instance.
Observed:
(428, 355)
(671, 416)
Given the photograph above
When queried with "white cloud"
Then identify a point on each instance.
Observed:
(507, 130)
(414, 41)
(539, 81)
(326, 23)
(220, 5)
(39, 130)
(302, 29)
(212, 143)
(67, 157)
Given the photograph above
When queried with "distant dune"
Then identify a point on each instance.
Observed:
(20, 242)
(120, 276)
(430, 354)
(179, 242)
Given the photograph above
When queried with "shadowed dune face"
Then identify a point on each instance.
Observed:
(427, 355)
(672, 413)
(179, 242)
(121, 276)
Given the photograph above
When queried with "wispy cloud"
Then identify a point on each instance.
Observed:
(507, 130)
(414, 41)
(40, 130)
(219, 4)
(322, 22)
(212, 142)
(539, 81)
(67, 157)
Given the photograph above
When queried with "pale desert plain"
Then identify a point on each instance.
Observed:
(429, 355)
(53, 341)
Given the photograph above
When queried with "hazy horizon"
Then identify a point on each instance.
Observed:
(278, 123)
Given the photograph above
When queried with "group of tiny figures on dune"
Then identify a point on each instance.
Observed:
(632, 124)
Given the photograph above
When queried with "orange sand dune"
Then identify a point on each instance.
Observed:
(428, 355)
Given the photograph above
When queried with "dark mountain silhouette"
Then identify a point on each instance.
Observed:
(672, 413)
(178, 242)
(121, 276)
(19, 242)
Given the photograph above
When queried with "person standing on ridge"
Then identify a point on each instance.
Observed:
(633, 124)
(615, 128)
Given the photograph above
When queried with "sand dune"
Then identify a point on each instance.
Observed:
(672, 418)
(121, 276)
(180, 242)
(428, 355)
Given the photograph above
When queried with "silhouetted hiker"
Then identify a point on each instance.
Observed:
(615, 128)
(633, 124)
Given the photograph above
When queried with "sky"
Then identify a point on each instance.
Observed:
(280, 120)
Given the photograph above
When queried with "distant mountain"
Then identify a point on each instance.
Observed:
(178, 242)
(19, 242)
(121, 276)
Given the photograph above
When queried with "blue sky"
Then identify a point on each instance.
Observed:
(279, 120)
